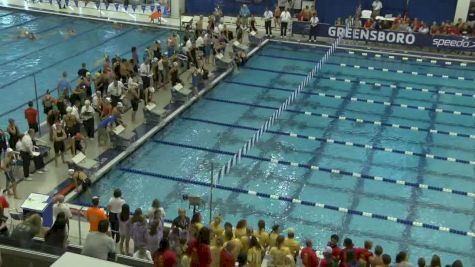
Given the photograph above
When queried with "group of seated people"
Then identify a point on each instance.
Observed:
(406, 24)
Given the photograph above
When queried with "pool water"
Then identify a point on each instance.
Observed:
(204, 134)
(54, 51)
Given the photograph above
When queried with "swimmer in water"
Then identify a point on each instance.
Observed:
(68, 33)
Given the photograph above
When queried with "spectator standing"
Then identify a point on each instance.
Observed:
(7, 166)
(262, 235)
(59, 207)
(99, 244)
(59, 137)
(115, 89)
(308, 255)
(386, 260)
(305, 14)
(435, 261)
(199, 250)
(328, 259)
(313, 28)
(377, 258)
(226, 258)
(135, 55)
(87, 116)
(3, 144)
(56, 237)
(138, 230)
(377, 6)
(164, 256)
(268, 22)
(254, 253)
(95, 215)
(64, 86)
(280, 255)
(31, 116)
(291, 243)
(26, 152)
(13, 133)
(244, 13)
(421, 262)
(82, 71)
(115, 208)
(402, 260)
(274, 234)
(124, 229)
(48, 102)
(285, 18)
(145, 73)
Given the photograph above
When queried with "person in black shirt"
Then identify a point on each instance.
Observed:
(83, 70)
(182, 222)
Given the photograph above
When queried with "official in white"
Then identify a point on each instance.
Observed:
(313, 28)
(268, 22)
(285, 17)
(377, 6)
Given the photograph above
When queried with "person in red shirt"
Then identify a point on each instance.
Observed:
(308, 255)
(164, 256)
(333, 244)
(368, 25)
(226, 258)
(199, 250)
(31, 116)
(364, 254)
(416, 25)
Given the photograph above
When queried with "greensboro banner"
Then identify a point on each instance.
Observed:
(389, 37)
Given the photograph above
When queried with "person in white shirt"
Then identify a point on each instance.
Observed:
(313, 27)
(268, 15)
(25, 146)
(199, 41)
(115, 89)
(60, 206)
(115, 207)
(285, 17)
(87, 116)
(145, 73)
(75, 111)
(377, 6)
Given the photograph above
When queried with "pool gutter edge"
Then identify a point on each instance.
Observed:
(381, 51)
(139, 142)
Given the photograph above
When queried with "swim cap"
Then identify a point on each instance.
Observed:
(87, 102)
(69, 109)
(120, 105)
(151, 90)
(70, 171)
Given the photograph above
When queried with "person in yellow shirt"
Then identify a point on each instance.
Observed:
(273, 235)
(237, 245)
(241, 229)
(215, 251)
(291, 243)
(216, 229)
(245, 240)
(254, 253)
(280, 255)
(262, 235)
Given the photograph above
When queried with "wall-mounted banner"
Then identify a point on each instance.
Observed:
(391, 37)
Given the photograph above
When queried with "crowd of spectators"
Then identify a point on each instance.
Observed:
(189, 242)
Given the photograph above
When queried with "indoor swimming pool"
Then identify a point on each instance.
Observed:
(57, 49)
(375, 133)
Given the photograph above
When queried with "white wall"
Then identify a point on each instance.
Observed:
(462, 10)
(178, 7)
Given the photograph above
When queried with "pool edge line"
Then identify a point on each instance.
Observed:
(139, 142)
